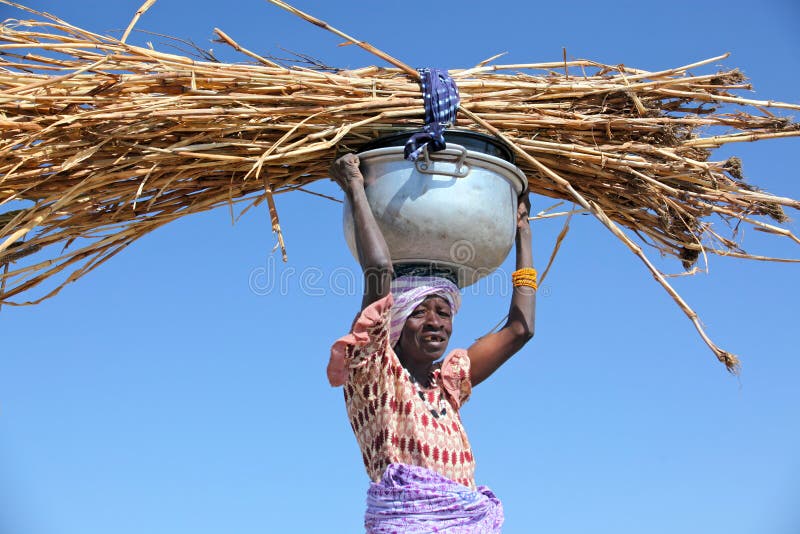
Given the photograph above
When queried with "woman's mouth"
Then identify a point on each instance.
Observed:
(433, 338)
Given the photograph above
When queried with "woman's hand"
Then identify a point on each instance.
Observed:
(346, 173)
(523, 212)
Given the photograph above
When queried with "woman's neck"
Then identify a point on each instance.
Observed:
(420, 372)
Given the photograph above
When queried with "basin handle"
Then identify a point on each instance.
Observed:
(461, 170)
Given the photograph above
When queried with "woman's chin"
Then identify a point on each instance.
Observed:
(434, 350)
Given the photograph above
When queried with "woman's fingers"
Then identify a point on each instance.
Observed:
(345, 171)
(523, 210)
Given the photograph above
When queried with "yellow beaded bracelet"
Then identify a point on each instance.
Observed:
(525, 277)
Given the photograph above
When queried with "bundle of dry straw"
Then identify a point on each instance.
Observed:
(106, 142)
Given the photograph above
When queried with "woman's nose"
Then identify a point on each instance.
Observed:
(433, 319)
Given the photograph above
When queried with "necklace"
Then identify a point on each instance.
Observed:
(440, 410)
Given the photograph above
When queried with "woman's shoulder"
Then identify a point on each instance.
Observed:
(367, 336)
(455, 359)
(454, 375)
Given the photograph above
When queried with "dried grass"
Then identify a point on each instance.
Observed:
(109, 141)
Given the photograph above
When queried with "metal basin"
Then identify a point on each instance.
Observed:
(454, 209)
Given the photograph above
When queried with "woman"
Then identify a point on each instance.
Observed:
(402, 399)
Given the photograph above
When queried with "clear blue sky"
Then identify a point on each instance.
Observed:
(171, 391)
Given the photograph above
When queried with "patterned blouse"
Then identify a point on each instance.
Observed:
(394, 419)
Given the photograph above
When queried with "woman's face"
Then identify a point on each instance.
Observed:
(427, 331)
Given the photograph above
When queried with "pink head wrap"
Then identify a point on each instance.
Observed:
(409, 292)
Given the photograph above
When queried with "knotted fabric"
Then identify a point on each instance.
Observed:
(440, 95)
(409, 292)
(415, 500)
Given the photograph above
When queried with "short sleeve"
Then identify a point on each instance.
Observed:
(370, 334)
(455, 377)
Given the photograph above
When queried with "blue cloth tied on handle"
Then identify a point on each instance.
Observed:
(440, 94)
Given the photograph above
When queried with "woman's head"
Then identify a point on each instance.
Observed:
(427, 331)
(422, 314)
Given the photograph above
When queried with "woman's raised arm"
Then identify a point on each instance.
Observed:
(491, 351)
(373, 254)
